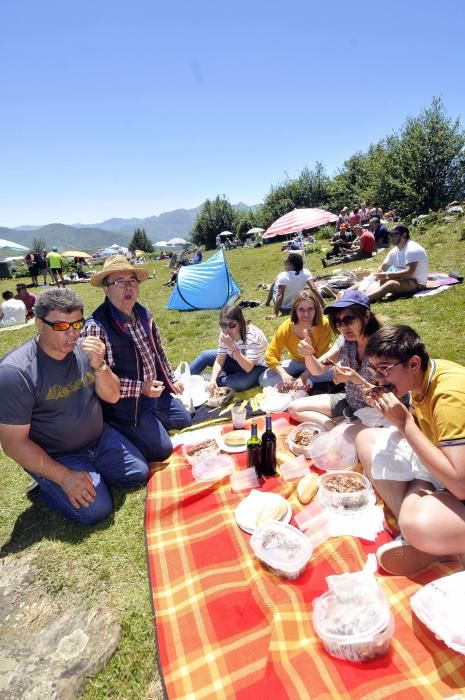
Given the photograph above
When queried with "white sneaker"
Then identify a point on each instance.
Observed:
(402, 559)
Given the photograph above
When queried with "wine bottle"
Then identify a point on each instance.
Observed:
(268, 451)
(254, 448)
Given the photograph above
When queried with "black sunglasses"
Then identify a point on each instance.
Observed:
(65, 325)
(345, 320)
(231, 325)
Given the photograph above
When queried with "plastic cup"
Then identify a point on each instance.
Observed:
(238, 414)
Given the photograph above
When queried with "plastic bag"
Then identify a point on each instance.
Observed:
(439, 605)
(369, 284)
(276, 402)
(333, 449)
(194, 386)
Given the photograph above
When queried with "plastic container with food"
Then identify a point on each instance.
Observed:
(282, 548)
(213, 468)
(333, 449)
(355, 629)
(196, 450)
(301, 437)
(219, 396)
(343, 491)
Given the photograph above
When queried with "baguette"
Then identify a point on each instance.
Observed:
(307, 488)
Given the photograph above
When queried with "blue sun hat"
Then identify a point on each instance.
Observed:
(349, 297)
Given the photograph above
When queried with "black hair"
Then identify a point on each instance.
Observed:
(234, 313)
(7, 295)
(295, 261)
(367, 317)
(401, 230)
(398, 343)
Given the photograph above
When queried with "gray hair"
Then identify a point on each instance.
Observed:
(57, 299)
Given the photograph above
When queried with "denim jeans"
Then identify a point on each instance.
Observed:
(295, 369)
(236, 378)
(110, 460)
(157, 416)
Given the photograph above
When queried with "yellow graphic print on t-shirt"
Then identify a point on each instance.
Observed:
(58, 392)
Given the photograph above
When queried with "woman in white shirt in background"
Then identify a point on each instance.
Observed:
(240, 353)
(12, 311)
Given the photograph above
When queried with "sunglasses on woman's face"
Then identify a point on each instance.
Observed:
(230, 325)
(345, 320)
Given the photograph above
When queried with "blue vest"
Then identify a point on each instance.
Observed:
(127, 359)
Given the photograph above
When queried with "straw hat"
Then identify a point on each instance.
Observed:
(117, 263)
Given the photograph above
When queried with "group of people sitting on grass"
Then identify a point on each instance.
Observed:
(387, 368)
(87, 404)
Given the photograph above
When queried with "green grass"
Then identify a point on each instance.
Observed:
(110, 558)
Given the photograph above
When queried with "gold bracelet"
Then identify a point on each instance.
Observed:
(101, 368)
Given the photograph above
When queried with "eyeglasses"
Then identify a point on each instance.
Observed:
(231, 325)
(382, 371)
(64, 325)
(121, 284)
(345, 320)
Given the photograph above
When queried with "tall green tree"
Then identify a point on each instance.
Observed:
(214, 217)
(140, 241)
(309, 189)
(429, 159)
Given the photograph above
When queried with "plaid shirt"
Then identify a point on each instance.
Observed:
(133, 387)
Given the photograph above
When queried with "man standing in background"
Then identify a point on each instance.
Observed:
(55, 265)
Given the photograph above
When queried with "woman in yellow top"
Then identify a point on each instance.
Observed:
(306, 313)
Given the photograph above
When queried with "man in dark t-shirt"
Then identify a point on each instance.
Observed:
(380, 232)
(50, 415)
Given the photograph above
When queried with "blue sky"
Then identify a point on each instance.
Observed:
(117, 108)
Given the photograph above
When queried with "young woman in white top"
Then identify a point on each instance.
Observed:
(240, 353)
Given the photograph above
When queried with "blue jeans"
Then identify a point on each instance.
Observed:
(157, 416)
(295, 369)
(110, 460)
(236, 378)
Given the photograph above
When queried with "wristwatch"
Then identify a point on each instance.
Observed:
(101, 368)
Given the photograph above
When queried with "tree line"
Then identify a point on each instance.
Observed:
(417, 169)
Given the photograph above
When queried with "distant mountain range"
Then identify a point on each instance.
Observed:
(89, 237)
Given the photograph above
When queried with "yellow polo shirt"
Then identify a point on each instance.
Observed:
(285, 338)
(440, 409)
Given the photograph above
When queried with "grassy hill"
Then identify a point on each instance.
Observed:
(110, 558)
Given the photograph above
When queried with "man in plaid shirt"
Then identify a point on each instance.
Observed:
(147, 408)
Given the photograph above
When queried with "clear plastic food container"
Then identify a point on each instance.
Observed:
(200, 449)
(212, 468)
(282, 548)
(300, 438)
(345, 491)
(355, 630)
(244, 480)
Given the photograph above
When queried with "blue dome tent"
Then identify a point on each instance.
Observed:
(208, 285)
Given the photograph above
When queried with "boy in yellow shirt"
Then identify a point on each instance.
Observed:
(431, 509)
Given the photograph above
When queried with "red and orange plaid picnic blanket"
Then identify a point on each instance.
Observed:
(228, 628)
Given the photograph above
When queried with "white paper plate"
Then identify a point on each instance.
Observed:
(248, 509)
